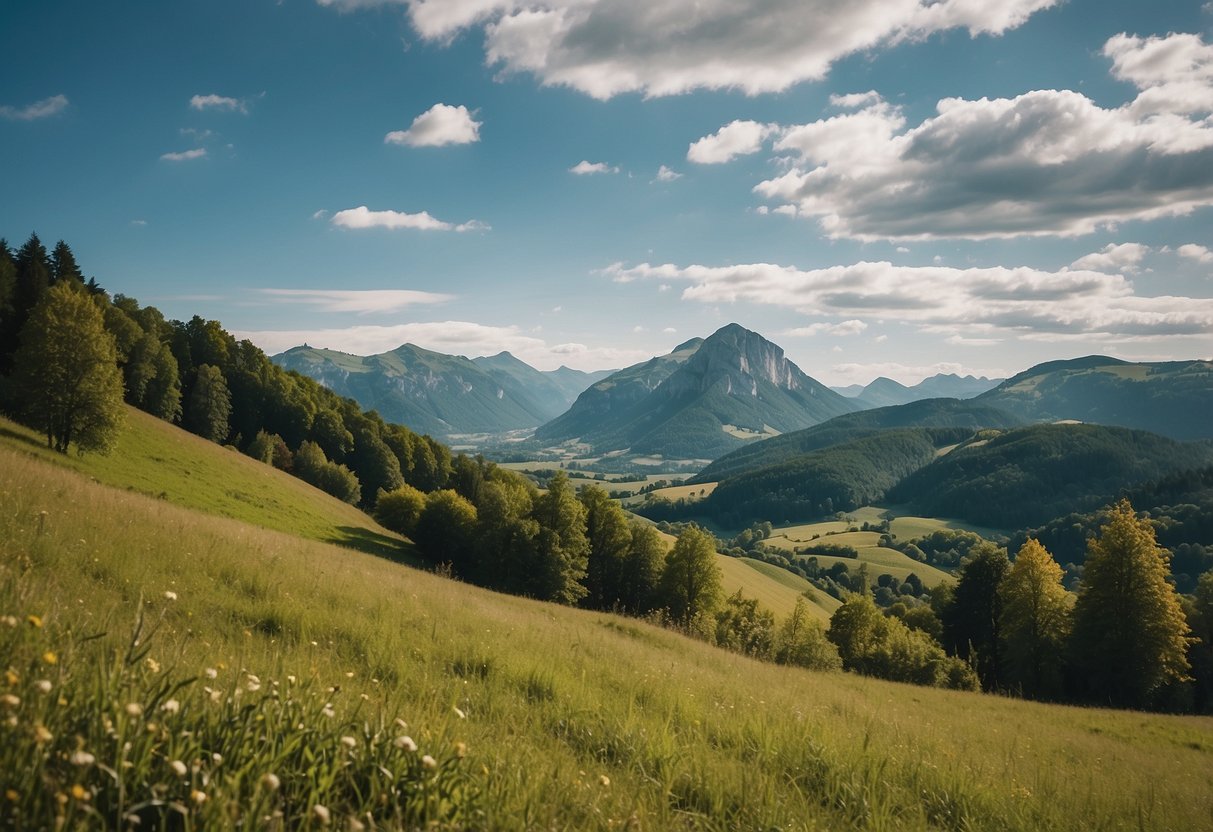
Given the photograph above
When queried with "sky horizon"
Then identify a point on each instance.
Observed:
(888, 188)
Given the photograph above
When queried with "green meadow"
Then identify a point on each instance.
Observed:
(237, 670)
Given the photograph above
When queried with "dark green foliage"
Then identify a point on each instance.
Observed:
(1169, 398)
(933, 413)
(641, 570)
(1031, 475)
(610, 538)
(67, 382)
(378, 468)
(9, 325)
(209, 405)
(563, 546)
(690, 582)
(446, 528)
(311, 466)
(971, 622)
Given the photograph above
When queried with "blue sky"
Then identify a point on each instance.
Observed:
(883, 187)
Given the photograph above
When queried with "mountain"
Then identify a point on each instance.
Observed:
(1034, 474)
(700, 401)
(439, 394)
(932, 413)
(1173, 398)
(883, 392)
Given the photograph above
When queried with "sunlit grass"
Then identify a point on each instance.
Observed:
(567, 719)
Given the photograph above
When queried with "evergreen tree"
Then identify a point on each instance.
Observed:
(162, 398)
(971, 620)
(610, 539)
(67, 377)
(690, 582)
(33, 276)
(63, 264)
(210, 404)
(9, 326)
(1130, 636)
(1035, 622)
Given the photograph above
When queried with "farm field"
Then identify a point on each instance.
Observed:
(534, 715)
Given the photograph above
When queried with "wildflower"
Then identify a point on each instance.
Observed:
(82, 758)
(170, 595)
(43, 686)
(9, 620)
(10, 701)
(217, 758)
(349, 742)
(179, 768)
(321, 813)
(171, 706)
(291, 679)
(461, 750)
(211, 673)
(270, 782)
(34, 621)
(198, 796)
(459, 713)
(49, 657)
(13, 795)
(133, 709)
(356, 825)
(603, 780)
(327, 710)
(405, 743)
(41, 735)
(152, 664)
(11, 678)
(80, 793)
(429, 762)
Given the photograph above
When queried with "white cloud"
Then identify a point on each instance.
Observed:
(218, 102)
(440, 125)
(1192, 251)
(322, 214)
(855, 100)
(737, 138)
(39, 109)
(362, 301)
(1069, 304)
(665, 174)
(669, 330)
(845, 328)
(363, 217)
(586, 168)
(139, 223)
(1123, 257)
(185, 155)
(667, 47)
(1045, 163)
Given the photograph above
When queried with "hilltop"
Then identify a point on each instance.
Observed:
(700, 401)
(883, 392)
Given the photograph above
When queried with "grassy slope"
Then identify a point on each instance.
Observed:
(555, 698)
(157, 459)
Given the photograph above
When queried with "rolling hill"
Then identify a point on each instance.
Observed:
(440, 394)
(1172, 399)
(701, 401)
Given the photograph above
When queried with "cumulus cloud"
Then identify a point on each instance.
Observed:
(667, 47)
(39, 109)
(451, 337)
(363, 217)
(218, 102)
(737, 138)
(361, 301)
(1192, 251)
(184, 155)
(586, 168)
(665, 174)
(440, 125)
(855, 100)
(851, 327)
(1028, 303)
(1123, 257)
(1045, 163)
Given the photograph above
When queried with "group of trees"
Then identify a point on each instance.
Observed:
(70, 354)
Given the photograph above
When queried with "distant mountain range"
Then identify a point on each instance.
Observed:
(704, 399)
(883, 392)
(444, 395)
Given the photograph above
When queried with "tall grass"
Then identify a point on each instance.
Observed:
(536, 716)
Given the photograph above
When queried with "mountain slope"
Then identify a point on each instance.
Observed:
(1031, 475)
(939, 413)
(734, 387)
(1173, 398)
(438, 394)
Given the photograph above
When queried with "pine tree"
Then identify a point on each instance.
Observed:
(210, 404)
(1035, 622)
(1130, 636)
(67, 377)
(971, 620)
(63, 264)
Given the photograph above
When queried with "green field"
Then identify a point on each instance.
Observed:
(537, 716)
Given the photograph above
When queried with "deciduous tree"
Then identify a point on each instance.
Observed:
(1035, 622)
(690, 581)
